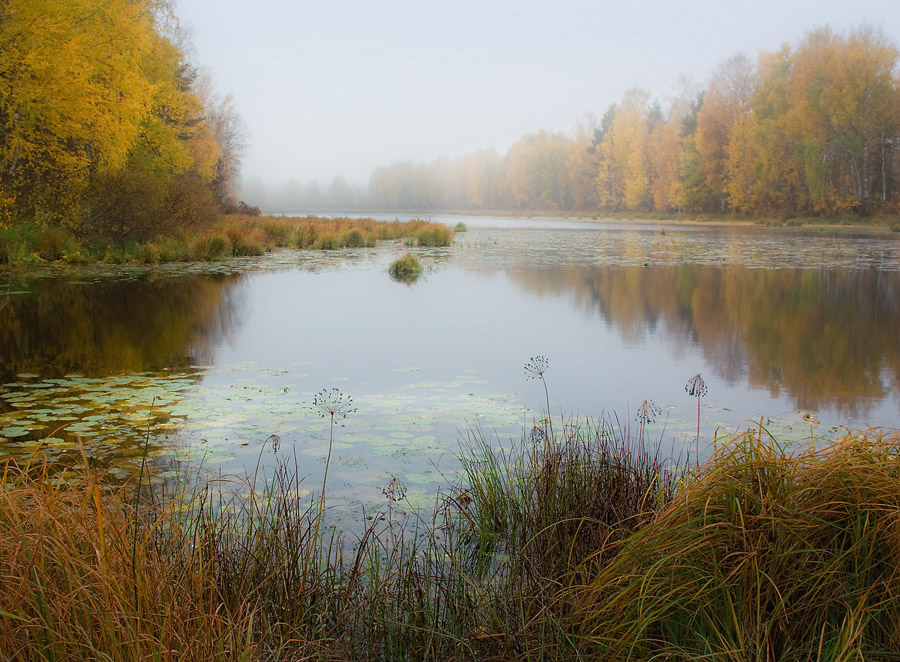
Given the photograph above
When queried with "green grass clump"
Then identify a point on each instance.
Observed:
(406, 268)
(460, 227)
(327, 241)
(763, 555)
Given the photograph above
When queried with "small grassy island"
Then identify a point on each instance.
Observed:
(406, 268)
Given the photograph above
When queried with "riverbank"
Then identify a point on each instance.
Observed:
(231, 236)
(576, 543)
(878, 223)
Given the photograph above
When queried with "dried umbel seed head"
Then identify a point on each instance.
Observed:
(696, 386)
(536, 367)
(333, 403)
(394, 490)
(537, 435)
(647, 412)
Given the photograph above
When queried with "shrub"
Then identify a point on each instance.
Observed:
(190, 205)
(128, 203)
(460, 227)
(50, 244)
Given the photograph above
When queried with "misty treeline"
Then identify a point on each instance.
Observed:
(105, 126)
(813, 130)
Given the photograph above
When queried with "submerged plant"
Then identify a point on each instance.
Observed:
(696, 387)
(535, 369)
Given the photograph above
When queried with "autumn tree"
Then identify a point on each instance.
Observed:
(726, 100)
(100, 127)
(72, 98)
(623, 178)
(823, 129)
(230, 135)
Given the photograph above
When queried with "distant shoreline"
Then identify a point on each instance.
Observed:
(875, 223)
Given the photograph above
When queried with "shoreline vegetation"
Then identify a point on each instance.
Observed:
(580, 543)
(231, 236)
(849, 221)
(250, 235)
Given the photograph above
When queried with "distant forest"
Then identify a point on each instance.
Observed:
(811, 130)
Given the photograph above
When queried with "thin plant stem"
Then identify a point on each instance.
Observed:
(697, 455)
(547, 399)
(324, 480)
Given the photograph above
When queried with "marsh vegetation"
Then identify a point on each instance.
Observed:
(583, 543)
(230, 236)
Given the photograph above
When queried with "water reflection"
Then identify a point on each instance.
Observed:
(824, 338)
(224, 360)
(100, 365)
(115, 326)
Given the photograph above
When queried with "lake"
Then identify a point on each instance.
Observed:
(203, 363)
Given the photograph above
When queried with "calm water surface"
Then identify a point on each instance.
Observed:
(797, 328)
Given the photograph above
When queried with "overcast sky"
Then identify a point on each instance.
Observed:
(338, 86)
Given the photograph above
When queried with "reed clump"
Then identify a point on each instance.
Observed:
(432, 234)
